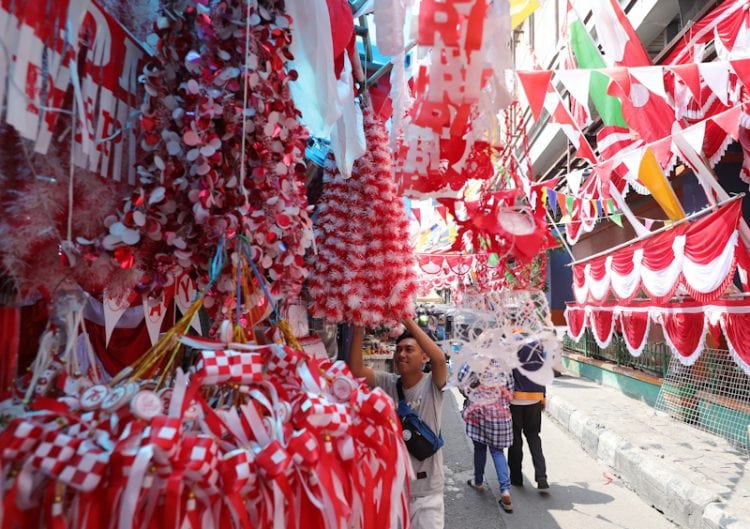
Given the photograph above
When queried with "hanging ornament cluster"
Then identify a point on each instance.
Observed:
(256, 436)
(364, 272)
(206, 173)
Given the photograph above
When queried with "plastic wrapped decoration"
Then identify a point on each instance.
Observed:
(490, 329)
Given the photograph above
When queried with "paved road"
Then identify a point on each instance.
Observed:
(582, 493)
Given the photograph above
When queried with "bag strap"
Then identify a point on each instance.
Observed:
(400, 390)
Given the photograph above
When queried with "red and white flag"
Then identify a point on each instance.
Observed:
(621, 44)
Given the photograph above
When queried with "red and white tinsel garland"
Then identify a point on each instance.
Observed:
(364, 272)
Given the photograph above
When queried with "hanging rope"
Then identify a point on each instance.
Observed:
(244, 105)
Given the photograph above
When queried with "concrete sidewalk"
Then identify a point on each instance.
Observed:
(695, 479)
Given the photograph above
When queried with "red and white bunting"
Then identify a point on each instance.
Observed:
(105, 93)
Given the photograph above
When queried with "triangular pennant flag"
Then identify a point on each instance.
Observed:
(185, 295)
(742, 68)
(577, 83)
(662, 150)
(729, 121)
(570, 203)
(113, 308)
(417, 214)
(563, 206)
(617, 218)
(443, 212)
(154, 311)
(716, 75)
(632, 161)
(552, 199)
(694, 135)
(610, 206)
(619, 76)
(690, 75)
(652, 77)
(599, 209)
(535, 85)
(648, 223)
(574, 181)
(652, 176)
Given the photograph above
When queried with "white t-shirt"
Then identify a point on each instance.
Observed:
(427, 401)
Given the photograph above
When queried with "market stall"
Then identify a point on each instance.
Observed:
(163, 248)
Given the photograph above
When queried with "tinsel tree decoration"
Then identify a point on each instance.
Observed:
(36, 213)
(196, 187)
(364, 272)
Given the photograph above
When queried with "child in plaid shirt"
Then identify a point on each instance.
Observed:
(490, 425)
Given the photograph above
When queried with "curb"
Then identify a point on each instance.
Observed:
(680, 500)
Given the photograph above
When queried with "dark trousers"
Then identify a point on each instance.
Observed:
(526, 420)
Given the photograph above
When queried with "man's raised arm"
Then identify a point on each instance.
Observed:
(356, 362)
(436, 355)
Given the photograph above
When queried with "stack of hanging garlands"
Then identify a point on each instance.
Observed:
(249, 435)
(207, 173)
(364, 272)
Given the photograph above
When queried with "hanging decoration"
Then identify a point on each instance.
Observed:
(53, 46)
(700, 257)
(364, 269)
(206, 174)
(491, 330)
(683, 324)
(447, 135)
(257, 436)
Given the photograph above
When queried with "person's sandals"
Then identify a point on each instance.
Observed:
(474, 486)
(505, 502)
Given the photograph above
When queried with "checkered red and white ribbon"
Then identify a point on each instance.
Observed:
(85, 470)
(53, 452)
(279, 459)
(222, 367)
(19, 438)
(282, 361)
(321, 414)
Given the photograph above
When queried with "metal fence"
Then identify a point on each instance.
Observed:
(713, 394)
(654, 360)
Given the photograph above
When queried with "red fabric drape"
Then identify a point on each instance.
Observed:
(598, 270)
(737, 332)
(706, 238)
(576, 319)
(602, 324)
(10, 330)
(579, 277)
(685, 331)
(657, 251)
(634, 329)
(622, 260)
